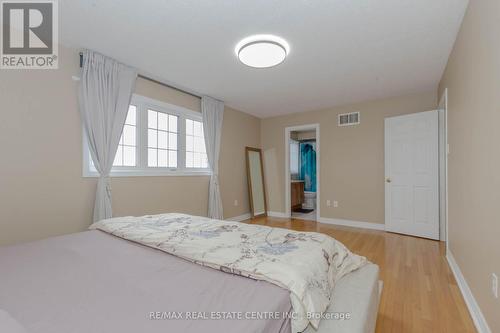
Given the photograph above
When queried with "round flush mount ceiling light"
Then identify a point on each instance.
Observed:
(262, 51)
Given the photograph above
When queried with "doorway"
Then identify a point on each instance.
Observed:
(302, 172)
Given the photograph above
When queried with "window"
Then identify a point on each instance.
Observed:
(126, 152)
(158, 139)
(162, 140)
(196, 154)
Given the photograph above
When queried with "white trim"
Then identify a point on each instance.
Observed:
(277, 214)
(444, 100)
(474, 309)
(240, 218)
(172, 108)
(288, 204)
(144, 103)
(443, 167)
(353, 224)
(160, 172)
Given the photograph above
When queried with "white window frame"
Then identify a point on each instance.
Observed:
(141, 169)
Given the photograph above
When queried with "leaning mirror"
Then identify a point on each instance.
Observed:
(255, 176)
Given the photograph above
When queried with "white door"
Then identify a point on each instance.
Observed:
(412, 174)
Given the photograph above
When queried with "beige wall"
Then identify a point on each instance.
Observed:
(239, 130)
(352, 157)
(42, 191)
(473, 81)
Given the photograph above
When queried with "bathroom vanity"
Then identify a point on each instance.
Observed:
(297, 195)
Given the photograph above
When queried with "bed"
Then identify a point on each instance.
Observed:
(96, 282)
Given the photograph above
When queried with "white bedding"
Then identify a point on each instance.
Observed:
(308, 264)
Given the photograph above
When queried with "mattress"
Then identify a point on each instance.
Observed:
(95, 282)
(354, 305)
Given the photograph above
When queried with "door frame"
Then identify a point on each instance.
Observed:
(288, 199)
(443, 166)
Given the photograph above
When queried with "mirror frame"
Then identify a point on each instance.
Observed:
(249, 180)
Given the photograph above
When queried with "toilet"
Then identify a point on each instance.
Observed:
(309, 200)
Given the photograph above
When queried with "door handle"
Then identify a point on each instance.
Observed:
(388, 180)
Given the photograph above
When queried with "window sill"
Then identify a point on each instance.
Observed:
(150, 173)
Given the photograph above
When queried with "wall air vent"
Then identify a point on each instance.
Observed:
(349, 119)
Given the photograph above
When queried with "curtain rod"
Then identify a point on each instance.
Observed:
(154, 81)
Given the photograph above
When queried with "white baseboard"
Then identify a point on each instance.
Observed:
(277, 214)
(354, 224)
(470, 301)
(240, 218)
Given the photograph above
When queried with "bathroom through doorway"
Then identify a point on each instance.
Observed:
(302, 172)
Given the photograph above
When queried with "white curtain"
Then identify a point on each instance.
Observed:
(213, 112)
(104, 96)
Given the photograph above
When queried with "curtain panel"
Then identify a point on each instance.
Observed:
(104, 95)
(213, 112)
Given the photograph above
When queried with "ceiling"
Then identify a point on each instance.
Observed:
(342, 51)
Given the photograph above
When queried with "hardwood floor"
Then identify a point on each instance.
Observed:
(420, 292)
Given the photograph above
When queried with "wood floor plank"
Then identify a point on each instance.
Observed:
(420, 293)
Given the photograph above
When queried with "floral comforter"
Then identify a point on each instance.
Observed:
(308, 264)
